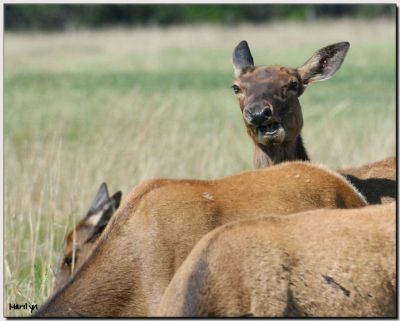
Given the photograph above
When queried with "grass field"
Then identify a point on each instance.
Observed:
(124, 105)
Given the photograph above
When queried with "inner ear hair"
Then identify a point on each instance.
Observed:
(94, 219)
(324, 63)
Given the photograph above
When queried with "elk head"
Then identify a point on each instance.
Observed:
(79, 242)
(269, 95)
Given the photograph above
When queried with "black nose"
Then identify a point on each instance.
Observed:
(257, 114)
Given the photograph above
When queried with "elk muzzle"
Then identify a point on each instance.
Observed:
(266, 128)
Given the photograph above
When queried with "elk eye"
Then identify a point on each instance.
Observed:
(68, 261)
(294, 85)
(236, 89)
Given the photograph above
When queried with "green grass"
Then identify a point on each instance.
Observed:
(124, 105)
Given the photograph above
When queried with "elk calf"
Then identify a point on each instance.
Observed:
(80, 241)
(160, 222)
(321, 263)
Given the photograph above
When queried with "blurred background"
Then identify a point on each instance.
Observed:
(64, 17)
(122, 93)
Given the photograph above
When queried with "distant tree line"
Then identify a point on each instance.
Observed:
(65, 16)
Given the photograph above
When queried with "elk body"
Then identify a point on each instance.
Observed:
(80, 241)
(159, 223)
(321, 263)
(269, 101)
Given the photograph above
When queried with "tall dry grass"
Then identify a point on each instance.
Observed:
(124, 105)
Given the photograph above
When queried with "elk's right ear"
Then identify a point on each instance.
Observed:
(324, 63)
(242, 58)
(117, 199)
(101, 197)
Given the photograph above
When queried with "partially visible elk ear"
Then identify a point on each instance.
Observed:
(100, 219)
(324, 63)
(117, 198)
(101, 198)
(242, 58)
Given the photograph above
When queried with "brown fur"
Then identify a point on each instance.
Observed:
(268, 87)
(74, 256)
(159, 223)
(321, 263)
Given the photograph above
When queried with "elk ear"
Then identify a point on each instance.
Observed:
(100, 219)
(242, 58)
(94, 219)
(117, 198)
(99, 200)
(324, 63)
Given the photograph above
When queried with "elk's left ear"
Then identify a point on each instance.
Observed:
(324, 63)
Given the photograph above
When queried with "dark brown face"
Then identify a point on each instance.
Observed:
(268, 98)
(268, 95)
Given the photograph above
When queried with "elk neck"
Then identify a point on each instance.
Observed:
(265, 156)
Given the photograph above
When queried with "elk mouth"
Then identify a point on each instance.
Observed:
(272, 133)
(270, 129)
